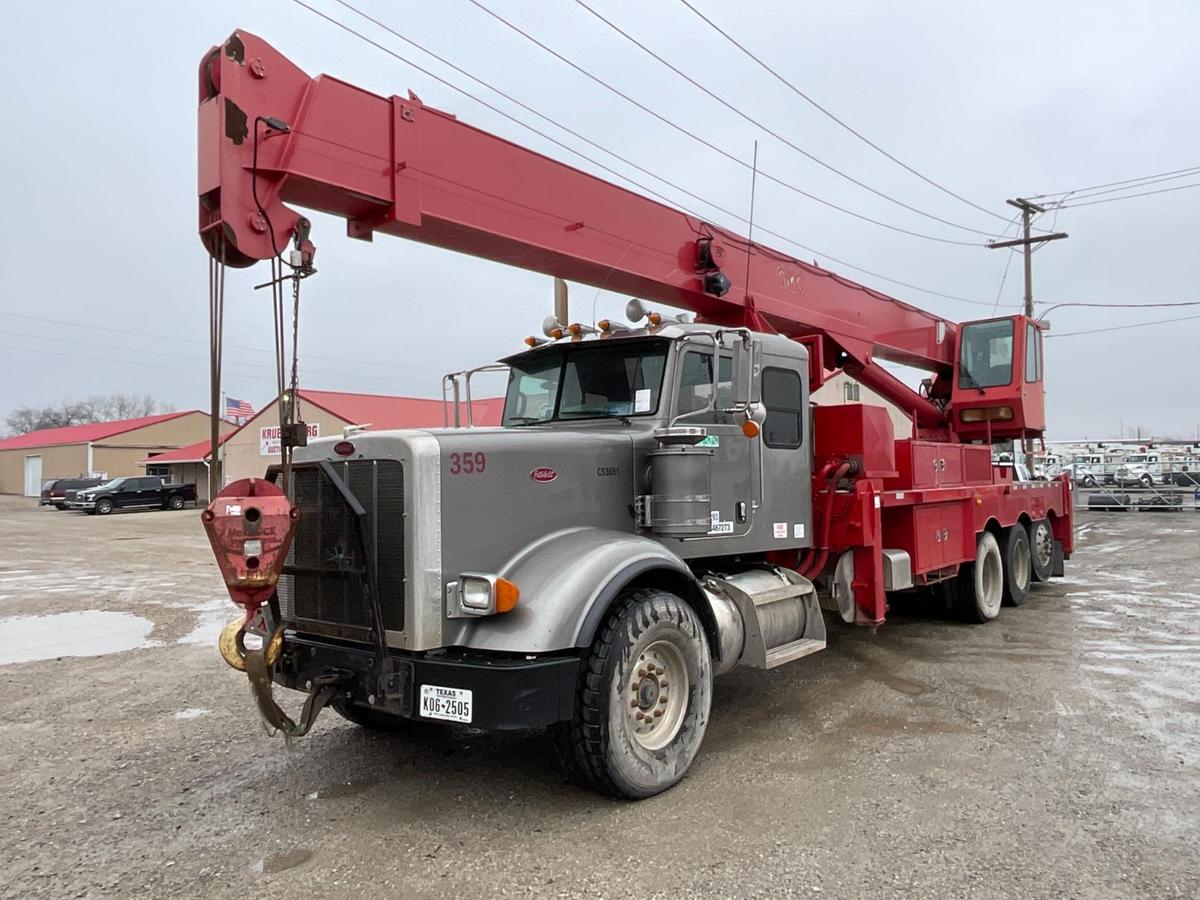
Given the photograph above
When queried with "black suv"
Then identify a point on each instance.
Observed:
(54, 492)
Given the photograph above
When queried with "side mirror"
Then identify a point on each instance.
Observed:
(745, 370)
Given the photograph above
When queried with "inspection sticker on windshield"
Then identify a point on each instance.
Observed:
(641, 400)
(451, 704)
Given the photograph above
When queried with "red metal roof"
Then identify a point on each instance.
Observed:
(382, 411)
(192, 453)
(85, 434)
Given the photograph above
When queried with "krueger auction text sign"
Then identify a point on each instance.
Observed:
(268, 438)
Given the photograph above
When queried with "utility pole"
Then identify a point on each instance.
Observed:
(1027, 209)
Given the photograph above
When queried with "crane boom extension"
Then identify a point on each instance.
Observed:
(269, 135)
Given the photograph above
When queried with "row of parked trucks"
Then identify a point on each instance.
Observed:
(1122, 465)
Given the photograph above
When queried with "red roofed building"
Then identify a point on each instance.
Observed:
(187, 464)
(110, 449)
(255, 446)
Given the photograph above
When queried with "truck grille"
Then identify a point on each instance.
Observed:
(325, 586)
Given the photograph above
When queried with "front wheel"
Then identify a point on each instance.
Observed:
(643, 698)
(1089, 481)
(1146, 481)
(175, 502)
(104, 506)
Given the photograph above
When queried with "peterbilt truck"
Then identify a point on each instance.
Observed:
(662, 501)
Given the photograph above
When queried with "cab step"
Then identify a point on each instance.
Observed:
(785, 653)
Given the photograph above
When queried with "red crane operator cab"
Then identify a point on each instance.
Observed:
(998, 391)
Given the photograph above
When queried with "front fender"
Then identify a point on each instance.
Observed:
(567, 581)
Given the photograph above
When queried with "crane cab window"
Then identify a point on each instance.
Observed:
(696, 387)
(783, 396)
(986, 359)
(1033, 353)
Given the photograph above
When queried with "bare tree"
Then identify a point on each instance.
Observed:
(96, 408)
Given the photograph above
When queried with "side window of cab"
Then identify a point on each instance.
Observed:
(696, 388)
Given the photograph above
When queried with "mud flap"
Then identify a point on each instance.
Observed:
(1057, 566)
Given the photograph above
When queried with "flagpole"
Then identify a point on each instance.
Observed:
(224, 407)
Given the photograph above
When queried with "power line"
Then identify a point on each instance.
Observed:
(831, 116)
(1073, 198)
(1086, 305)
(699, 139)
(167, 337)
(1124, 327)
(1175, 173)
(1180, 187)
(509, 117)
(775, 134)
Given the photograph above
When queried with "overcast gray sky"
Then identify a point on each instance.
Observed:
(992, 100)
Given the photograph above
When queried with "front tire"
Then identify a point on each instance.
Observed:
(1089, 481)
(643, 698)
(980, 585)
(1146, 481)
(175, 503)
(1018, 566)
(104, 506)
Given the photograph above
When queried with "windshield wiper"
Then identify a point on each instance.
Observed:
(967, 380)
(518, 421)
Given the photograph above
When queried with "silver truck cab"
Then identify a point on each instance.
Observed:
(630, 478)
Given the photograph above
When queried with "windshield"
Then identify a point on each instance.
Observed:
(589, 381)
(1136, 458)
(987, 354)
(116, 482)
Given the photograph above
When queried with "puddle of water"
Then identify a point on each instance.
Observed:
(281, 862)
(192, 712)
(211, 618)
(88, 633)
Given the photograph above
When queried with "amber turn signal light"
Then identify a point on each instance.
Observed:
(507, 595)
(750, 428)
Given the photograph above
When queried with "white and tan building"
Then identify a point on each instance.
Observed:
(108, 449)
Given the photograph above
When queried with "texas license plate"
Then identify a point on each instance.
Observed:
(451, 704)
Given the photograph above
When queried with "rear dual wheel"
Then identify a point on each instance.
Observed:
(1018, 565)
(1041, 548)
(979, 588)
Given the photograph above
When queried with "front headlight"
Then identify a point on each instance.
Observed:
(484, 595)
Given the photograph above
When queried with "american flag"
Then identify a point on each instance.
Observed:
(239, 408)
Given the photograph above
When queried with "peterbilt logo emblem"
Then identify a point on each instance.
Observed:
(543, 475)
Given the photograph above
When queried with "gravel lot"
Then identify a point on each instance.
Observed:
(1053, 752)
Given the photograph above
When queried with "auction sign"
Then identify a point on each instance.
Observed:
(268, 438)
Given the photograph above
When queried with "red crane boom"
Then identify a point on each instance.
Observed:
(269, 135)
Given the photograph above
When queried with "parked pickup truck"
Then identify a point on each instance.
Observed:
(133, 492)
